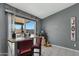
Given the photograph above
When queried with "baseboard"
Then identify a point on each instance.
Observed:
(66, 48)
(3, 54)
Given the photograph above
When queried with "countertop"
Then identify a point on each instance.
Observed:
(21, 39)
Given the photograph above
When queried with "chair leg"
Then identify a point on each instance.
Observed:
(39, 52)
(32, 52)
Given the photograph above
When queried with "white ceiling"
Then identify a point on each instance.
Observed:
(41, 10)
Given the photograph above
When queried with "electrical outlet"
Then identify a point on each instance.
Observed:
(75, 45)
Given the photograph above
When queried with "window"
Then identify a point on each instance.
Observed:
(18, 26)
(31, 25)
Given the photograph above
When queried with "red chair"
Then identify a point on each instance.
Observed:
(25, 47)
(37, 45)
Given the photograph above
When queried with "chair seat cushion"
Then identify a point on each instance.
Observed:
(25, 50)
(35, 46)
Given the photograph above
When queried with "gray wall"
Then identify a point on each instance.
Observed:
(58, 27)
(3, 33)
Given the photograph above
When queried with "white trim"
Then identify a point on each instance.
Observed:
(66, 48)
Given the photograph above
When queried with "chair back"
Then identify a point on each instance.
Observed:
(38, 41)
